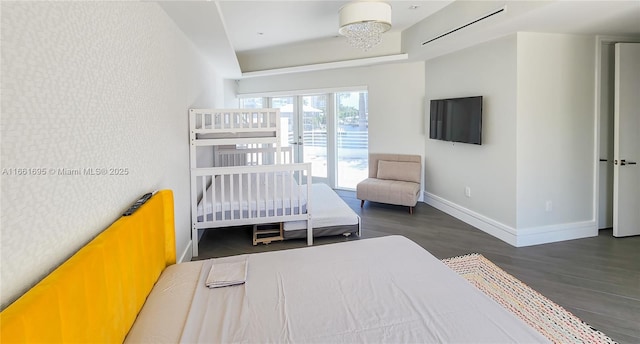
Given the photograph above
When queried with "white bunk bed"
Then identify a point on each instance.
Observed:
(254, 193)
(247, 178)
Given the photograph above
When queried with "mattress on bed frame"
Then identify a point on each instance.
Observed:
(321, 231)
(329, 213)
(385, 289)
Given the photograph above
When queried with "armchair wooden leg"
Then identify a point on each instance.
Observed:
(361, 203)
(411, 210)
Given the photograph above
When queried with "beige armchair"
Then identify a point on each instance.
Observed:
(393, 179)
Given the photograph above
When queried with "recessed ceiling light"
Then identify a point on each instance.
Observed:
(414, 7)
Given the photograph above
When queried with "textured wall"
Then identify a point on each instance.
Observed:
(89, 87)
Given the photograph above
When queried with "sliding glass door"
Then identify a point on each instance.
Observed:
(352, 139)
(329, 130)
(304, 129)
(288, 122)
(313, 145)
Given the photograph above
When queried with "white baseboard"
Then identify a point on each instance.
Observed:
(187, 253)
(515, 237)
(490, 226)
(553, 233)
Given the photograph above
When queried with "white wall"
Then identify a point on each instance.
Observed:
(555, 129)
(487, 70)
(90, 85)
(396, 93)
(538, 138)
(230, 100)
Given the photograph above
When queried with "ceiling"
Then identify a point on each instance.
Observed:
(260, 24)
(242, 37)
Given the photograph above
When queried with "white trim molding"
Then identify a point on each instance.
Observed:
(328, 65)
(515, 237)
(187, 253)
(485, 224)
(554, 233)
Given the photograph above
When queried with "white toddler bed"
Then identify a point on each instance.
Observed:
(385, 289)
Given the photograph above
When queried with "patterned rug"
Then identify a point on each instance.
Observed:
(550, 319)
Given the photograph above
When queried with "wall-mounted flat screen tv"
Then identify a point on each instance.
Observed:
(456, 119)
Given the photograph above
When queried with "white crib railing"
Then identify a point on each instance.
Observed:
(245, 195)
(252, 156)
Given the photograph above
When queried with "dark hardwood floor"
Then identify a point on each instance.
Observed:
(597, 279)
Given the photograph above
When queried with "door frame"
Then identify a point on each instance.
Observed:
(601, 41)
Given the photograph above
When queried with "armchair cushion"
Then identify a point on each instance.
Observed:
(399, 170)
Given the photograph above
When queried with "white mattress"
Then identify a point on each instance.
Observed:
(260, 193)
(328, 210)
(375, 290)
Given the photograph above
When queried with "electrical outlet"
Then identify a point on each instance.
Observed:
(467, 191)
(548, 206)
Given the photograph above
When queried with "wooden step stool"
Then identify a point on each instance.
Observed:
(267, 232)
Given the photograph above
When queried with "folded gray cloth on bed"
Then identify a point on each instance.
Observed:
(224, 274)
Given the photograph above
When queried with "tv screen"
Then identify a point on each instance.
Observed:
(457, 120)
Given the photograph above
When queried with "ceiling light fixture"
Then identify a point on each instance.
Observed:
(363, 23)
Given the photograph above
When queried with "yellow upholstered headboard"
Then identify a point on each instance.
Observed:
(96, 295)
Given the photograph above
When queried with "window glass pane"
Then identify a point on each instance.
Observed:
(251, 103)
(314, 133)
(287, 120)
(352, 138)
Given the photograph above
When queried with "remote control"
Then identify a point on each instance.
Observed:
(138, 204)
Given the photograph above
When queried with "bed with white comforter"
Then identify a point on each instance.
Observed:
(385, 289)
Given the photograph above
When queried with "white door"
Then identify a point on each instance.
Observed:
(626, 172)
(304, 129)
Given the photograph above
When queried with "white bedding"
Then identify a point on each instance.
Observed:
(259, 191)
(328, 210)
(375, 290)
